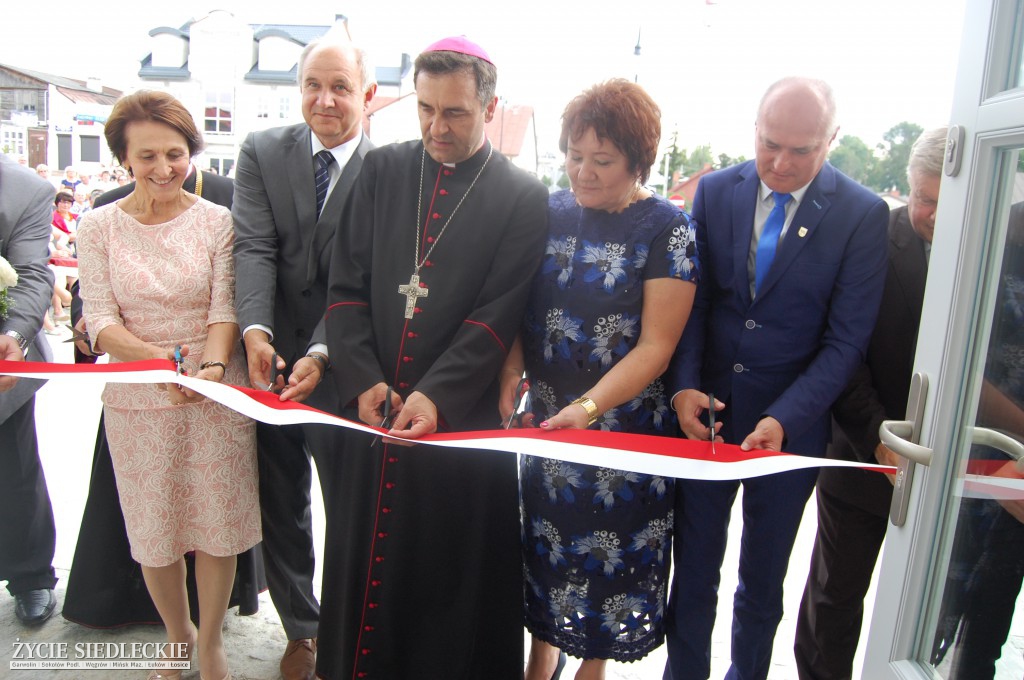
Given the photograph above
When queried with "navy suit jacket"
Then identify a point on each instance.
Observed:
(791, 351)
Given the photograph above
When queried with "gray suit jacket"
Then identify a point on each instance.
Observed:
(282, 251)
(26, 210)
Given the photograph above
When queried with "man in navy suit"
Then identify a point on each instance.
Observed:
(793, 255)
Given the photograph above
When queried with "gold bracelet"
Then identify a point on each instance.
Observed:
(590, 407)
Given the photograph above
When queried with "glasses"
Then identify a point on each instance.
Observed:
(64, 200)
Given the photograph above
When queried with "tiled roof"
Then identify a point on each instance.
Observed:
(300, 33)
(147, 70)
(75, 90)
(507, 130)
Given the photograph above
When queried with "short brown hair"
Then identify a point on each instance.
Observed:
(619, 111)
(444, 62)
(149, 105)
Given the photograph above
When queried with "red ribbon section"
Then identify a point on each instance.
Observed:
(665, 456)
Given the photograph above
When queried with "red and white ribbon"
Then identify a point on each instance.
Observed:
(665, 456)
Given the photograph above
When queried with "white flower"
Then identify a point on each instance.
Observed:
(8, 277)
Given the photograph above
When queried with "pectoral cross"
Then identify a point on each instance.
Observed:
(412, 291)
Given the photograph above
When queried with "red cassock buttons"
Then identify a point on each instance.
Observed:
(374, 583)
(385, 510)
(436, 216)
(389, 485)
(403, 385)
(444, 192)
(430, 239)
(410, 334)
(378, 559)
(368, 629)
(365, 651)
(447, 172)
(392, 459)
(406, 360)
(428, 263)
(372, 605)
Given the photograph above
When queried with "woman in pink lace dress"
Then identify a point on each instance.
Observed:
(156, 272)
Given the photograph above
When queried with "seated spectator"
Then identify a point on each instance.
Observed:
(70, 180)
(81, 204)
(64, 221)
(43, 170)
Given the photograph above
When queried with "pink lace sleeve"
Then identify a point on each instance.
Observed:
(222, 294)
(99, 306)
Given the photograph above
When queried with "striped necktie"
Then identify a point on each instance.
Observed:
(322, 177)
(769, 240)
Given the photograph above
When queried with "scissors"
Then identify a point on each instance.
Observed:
(386, 420)
(179, 362)
(273, 373)
(711, 419)
(77, 335)
(522, 389)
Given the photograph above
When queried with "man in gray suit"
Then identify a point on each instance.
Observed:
(27, 534)
(291, 184)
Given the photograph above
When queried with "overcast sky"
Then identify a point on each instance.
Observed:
(705, 64)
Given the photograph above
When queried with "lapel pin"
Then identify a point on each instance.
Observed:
(801, 232)
(816, 204)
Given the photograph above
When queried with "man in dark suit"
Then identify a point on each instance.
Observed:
(27, 533)
(793, 256)
(853, 505)
(282, 256)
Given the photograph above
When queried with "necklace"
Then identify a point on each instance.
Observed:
(413, 290)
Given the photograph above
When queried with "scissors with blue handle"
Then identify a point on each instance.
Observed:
(179, 361)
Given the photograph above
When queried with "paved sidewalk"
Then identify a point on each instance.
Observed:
(66, 421)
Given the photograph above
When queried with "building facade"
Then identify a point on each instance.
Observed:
(51, 119)
(237, 78)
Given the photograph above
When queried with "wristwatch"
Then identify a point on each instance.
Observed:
(20, 339)
(321, 358)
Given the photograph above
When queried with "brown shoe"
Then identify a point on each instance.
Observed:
(299, 660)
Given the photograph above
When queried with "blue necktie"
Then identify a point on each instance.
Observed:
(769, 240)
(322, 177)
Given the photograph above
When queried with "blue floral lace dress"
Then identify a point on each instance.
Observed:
(597, 541)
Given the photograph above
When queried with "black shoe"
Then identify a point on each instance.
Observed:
(35, 606)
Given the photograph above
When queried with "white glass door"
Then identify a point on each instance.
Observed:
(951, 574)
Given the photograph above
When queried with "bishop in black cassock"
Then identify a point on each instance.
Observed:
(425, 578)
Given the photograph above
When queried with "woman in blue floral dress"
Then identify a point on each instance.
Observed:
(607, 307)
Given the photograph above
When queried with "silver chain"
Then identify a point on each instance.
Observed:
(417, 262)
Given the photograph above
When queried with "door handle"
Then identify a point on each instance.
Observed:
(895, 435)
(902, 436)
(997, 440)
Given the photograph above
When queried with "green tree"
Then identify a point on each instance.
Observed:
(891, 171)
(855, 159)
(725, 161)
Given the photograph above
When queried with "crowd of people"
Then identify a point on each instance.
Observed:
(432, 286)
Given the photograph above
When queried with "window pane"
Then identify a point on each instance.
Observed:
(91, 149)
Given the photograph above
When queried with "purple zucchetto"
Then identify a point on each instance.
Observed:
(460, 44)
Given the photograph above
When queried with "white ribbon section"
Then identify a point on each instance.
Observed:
(666, 456)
